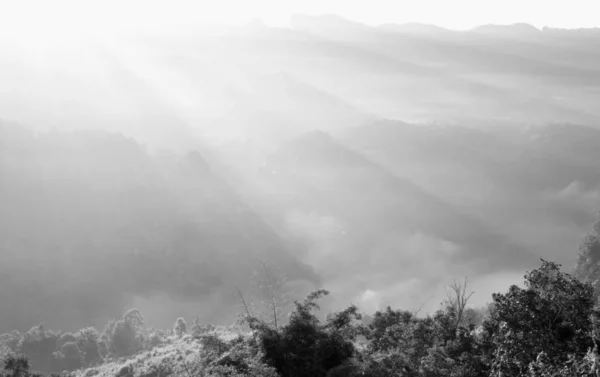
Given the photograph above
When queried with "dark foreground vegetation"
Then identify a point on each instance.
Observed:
(548, 327)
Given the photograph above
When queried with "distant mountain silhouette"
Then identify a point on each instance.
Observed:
(414, 27)
(328, 22)
(513, 30)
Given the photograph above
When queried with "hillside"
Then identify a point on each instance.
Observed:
(356, 216)
(88, 206)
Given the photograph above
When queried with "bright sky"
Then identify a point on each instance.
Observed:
(66, 15)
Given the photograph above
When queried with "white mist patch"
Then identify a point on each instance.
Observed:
(485, 285)
(418, 295)
(312, 223)
(413, 255)
(574, 189)
(369, 301)
(161, 310)
(402, 271)
(576, 192)
(576, 197)
(373, 300)
(321, 230)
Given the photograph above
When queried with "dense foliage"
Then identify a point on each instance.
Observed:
(54, 352)
(553, 315)
(547, 328)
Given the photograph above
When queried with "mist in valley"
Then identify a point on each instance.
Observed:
(160, 170)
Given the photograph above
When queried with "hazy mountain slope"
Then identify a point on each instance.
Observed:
(460, 62)
(278, 107)
(102, 221)
(365, 226)
(432, 155)
(502, 180)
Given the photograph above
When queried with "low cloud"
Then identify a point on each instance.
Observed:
(321, 232)
(408, 271)
(578, 194)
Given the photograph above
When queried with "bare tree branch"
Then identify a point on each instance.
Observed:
(271, 294)
(457, 298)
(248, 314)
(416, 312)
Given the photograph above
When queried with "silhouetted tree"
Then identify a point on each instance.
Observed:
(457, 299)
(17, 366)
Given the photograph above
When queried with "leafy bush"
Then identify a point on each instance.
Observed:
(54, 352)
(123, 337)
(304, 346)
(87, 341)
(573, 366)
(553, 315)
(9, 342)
(39, 345)
(437, 345)
(199, 328)
(238, 357)
(154, 338)
(69, 357)
(17, 366)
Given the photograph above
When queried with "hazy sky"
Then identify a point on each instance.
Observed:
(63, 16)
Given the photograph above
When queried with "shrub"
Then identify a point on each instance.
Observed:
(87, 341)
(123, 337)
(69, 357)
(180, 327)
(154, 338)
(553, 314)
(199, 328)
(435, 345)
(17, 366)
(11, 340)
(304, 346)
(573, 367)
(39, 345)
